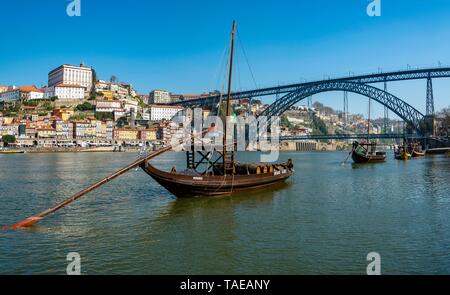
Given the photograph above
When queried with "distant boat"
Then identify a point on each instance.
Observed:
(416, 154)
(416, 150)
(6, 151)
(366, 153)
(401, 153)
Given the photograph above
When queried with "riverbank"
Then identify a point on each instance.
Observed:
(80, 149)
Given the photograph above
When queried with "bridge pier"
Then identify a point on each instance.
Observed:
(429, 117)
(305, 146)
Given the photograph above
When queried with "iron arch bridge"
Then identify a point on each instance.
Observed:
(402, 109)
(356, 84)
(429, 73)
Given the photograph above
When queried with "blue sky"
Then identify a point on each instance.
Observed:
(179, 45)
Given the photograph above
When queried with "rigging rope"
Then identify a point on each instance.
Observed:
(246, 59)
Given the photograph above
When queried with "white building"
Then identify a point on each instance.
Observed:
(68, 74)
(64, 130)
(11, 129)
(108, 106)
(4, 88)
(119, 90)
(130, 105)
(24, 92)
(65, 91)
(159, 96)
(102, 85)
(35, 94)
(158, 113)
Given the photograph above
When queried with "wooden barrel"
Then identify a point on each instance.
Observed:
(258, 170)
(253, 168)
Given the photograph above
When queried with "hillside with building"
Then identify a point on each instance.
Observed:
(77, 109)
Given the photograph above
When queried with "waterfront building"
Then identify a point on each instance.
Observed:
(30, 131)
(101, 130)
(46, 132)
(85, 130)
(126, 135)
(65, 92)
(158, 113)
(159, 96)
(64, 129)
(9, 129)
(147, 135)
(69, 74)
(164, 130)
(22, 130)
(108, 106)
(109, 130)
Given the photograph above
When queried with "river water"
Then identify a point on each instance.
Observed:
(324, 220)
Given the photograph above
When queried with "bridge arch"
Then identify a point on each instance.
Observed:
(402, 109)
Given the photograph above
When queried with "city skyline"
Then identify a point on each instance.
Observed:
(283, 42)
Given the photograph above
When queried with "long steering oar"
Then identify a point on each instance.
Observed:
(27, 222)
(348, 156)
(37, 217)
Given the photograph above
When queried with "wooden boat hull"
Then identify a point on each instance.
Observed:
(416, 154)
(358, 158)
(186, 186)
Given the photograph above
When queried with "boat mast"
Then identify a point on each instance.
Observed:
(368, 123)
(230, 74)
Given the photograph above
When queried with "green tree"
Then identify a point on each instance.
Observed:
(102, 116)
(85, 106)
(284, 122)
(7, 139)
(319, 126)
